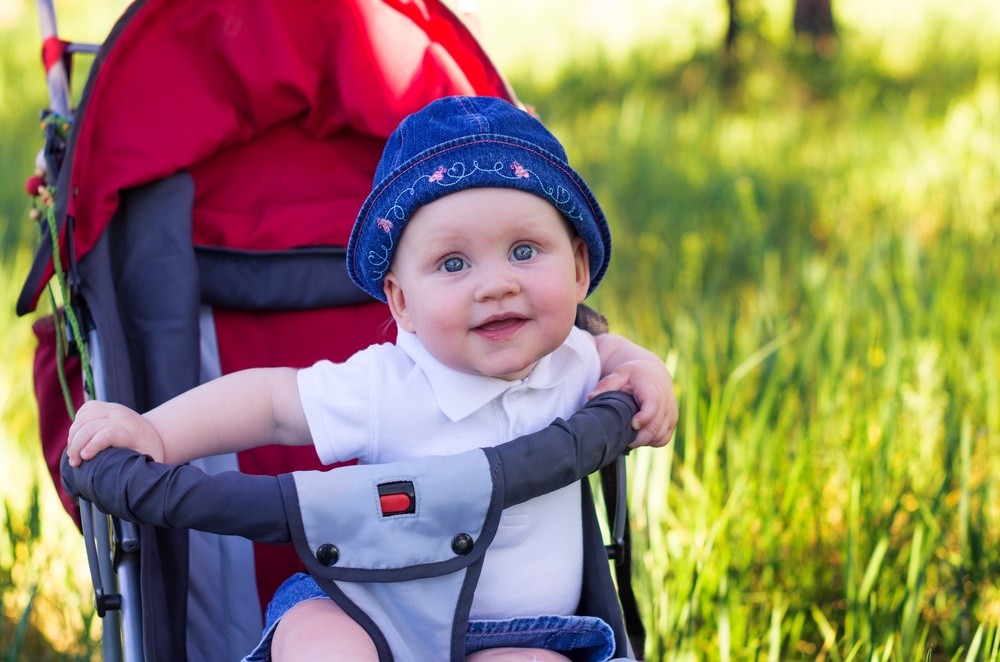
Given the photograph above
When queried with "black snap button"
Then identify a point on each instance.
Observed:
(461, 544)
(327, 554)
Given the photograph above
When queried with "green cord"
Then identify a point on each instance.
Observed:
(70, 316)
(60, 353)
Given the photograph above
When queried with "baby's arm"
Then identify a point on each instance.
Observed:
(232, 413)
(625, 366)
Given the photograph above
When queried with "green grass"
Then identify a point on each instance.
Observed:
(823, 266)
(814, 252)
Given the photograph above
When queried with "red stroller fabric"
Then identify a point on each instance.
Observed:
(53, 416)
(214, 87)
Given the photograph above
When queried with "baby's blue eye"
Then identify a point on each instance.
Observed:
(453, 264)
(523, 252)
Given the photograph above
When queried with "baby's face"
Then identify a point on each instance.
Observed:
(489, 279)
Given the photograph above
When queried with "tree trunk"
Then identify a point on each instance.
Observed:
(730, 63)
(814, 26)
(814, 18)
(733, 30)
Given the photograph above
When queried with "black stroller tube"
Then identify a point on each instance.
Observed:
(133, 487)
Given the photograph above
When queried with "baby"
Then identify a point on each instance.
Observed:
(482, 240)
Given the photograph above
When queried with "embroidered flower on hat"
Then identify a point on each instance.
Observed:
(438, 175)
(385, 225)
(519, 170)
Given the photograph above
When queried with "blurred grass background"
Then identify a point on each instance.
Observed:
(811, 241)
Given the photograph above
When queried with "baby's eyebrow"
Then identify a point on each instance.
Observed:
(439, 253)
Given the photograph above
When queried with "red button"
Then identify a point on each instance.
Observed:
(394, 504)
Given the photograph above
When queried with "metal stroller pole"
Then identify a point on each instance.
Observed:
(113, 552)
(56, 74)
(56, 71)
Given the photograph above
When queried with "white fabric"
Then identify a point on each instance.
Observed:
(396, 402)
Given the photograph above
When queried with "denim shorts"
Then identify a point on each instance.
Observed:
(587, 637)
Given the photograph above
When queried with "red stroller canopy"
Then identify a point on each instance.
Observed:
(214, 86)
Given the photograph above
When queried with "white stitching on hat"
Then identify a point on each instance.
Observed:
(382, 260)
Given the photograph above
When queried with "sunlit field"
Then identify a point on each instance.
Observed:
(812, 243)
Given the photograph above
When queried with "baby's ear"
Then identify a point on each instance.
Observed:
(397, 302)
(581, 256)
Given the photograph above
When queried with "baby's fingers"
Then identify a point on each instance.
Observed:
(87, 440)
(650, 430)
(644, 424)
(655, 421)
(98, 425)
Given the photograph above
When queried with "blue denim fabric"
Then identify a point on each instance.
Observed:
(456, 143)
(587, 637)
(297, 588)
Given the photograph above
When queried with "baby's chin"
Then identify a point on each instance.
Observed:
(517, 376)
(508, 373)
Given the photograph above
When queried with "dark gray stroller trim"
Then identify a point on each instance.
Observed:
(413, 597)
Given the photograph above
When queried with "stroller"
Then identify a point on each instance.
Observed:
(203, 198)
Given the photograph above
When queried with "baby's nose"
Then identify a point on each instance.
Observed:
(496, 282)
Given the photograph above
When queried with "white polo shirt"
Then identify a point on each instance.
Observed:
(396, 402)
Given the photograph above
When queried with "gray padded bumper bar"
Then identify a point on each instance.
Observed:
(401, 574)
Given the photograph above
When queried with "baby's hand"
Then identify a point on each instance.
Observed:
(100, 425)
(649, 382)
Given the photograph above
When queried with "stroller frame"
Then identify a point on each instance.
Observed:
(115, 546)
(111, 544)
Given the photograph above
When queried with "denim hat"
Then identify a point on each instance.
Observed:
(456, 143)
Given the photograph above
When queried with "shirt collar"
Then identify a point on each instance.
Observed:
(459, 394)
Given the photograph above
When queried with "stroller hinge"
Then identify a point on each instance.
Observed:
(105, 602)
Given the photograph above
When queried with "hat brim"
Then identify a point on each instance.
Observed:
(479, 161)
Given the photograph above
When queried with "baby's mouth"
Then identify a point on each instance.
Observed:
(499, 324)
(501, 327)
